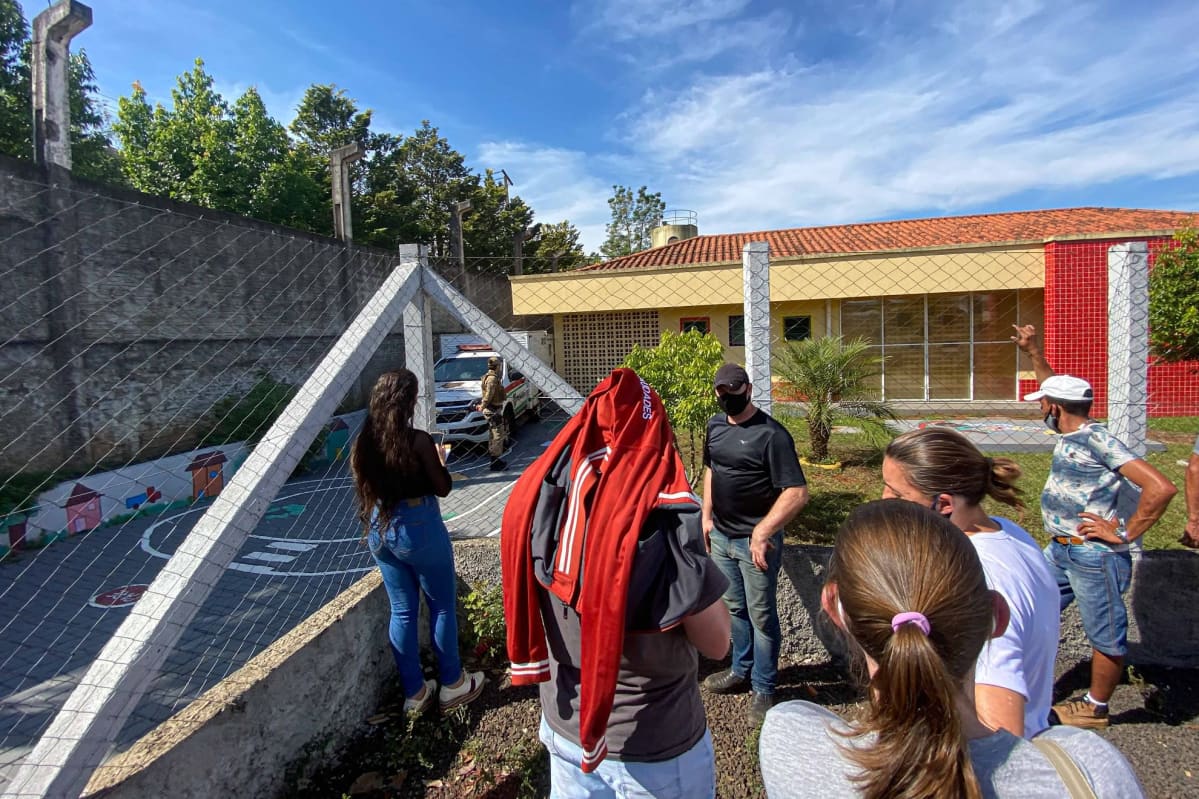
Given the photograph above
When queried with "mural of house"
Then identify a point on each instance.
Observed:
(337, 440)
(936, 297)
(207, 474)
(83, 509)
(16, 523)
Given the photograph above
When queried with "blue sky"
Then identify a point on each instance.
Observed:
(756, 115)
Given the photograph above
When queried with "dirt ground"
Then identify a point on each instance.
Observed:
(491, 750)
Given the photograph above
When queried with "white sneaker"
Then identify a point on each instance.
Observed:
(468, 691)
(420, 704)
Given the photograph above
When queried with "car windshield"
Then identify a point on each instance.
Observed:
(454, 369)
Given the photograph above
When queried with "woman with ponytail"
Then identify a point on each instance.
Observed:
(940, 469)
(908, 591)
(398, 475)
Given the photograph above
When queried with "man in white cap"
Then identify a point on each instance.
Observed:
(1088, 548)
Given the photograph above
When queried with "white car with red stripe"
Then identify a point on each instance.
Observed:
(458, 377)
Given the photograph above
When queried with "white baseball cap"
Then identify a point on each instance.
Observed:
(1063, 387)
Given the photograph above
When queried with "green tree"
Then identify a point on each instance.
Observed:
(494, 221)
(680, 369)
(1174, 299)
(15, 113)
(634, 215)
(187, 152)
(831, 377)
(559, 239)
(440, 177)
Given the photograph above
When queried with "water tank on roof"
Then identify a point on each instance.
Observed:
(675, 226)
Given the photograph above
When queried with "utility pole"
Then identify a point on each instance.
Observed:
(518, 247)
(457, 250)
(339, 172)
(53, 30)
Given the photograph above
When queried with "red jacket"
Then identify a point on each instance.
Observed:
(571, 526)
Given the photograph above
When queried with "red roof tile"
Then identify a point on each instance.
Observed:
(906, 234)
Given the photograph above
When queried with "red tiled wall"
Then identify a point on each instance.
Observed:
(1075, 335)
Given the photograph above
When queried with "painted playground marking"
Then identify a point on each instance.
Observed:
(121, 597)
(282, 507)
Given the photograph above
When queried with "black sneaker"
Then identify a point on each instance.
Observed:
(499, 465)
(758, 705)
(726, 682)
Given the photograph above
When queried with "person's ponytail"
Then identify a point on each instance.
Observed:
(914, 599)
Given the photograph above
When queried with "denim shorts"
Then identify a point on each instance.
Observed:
(1097, 578)
(691, 775)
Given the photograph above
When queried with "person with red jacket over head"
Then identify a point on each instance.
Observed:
(608, 594)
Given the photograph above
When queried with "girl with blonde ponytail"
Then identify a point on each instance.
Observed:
(398, 475)
(908, 591)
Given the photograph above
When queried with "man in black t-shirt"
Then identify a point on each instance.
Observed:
(753, 486)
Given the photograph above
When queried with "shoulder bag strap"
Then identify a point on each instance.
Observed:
(1075, 781)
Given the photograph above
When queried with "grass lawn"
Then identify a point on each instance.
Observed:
(835, 494)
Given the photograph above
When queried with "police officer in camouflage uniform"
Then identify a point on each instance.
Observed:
(492, 407)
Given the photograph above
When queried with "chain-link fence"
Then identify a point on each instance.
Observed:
(147, 347)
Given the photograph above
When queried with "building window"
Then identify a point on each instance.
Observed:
(736, 331)
(697, 323)
(797, 328)
(944, 346)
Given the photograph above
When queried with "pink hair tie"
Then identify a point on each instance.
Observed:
(911, 617)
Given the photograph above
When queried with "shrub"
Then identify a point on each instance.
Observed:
(1174, 299)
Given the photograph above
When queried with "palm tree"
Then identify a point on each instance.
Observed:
(831, 377)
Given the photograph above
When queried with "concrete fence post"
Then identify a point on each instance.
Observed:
(1128, 343)
(339, 173)
(1128, 354)
(755, 270)
(418, 339)
(53, 30)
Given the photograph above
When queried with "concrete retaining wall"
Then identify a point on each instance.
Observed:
(292, 707)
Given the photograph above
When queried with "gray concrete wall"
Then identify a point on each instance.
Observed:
(127, 316)
(296, 704)
(283, 714)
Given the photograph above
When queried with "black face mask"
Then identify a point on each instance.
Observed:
(1052, 422)
(733, 404)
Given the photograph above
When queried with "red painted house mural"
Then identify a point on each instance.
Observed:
(83, 509)
(208, 476)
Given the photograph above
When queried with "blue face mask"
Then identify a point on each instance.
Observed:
(1052, 423)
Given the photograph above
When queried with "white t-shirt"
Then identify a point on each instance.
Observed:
(802, 758)
(1022, 659)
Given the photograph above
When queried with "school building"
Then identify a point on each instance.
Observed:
(936, 297)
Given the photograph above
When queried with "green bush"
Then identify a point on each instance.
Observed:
(482, 630)
(247, 417)
(1174, 299)
(681, 369)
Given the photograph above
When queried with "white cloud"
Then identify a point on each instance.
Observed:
(635, 19)
(557, 183)
(944, 121)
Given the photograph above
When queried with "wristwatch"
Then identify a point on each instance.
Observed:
(1121, 531)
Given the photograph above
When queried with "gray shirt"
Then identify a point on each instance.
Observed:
(802, 757)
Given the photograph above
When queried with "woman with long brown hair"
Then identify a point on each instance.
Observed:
(940, 469)
(398, 475)
(908, 590)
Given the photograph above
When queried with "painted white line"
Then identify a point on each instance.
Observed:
(480, 505)
(493, 533)
(291, 546)
(268, 557)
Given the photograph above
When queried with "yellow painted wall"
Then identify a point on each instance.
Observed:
(817, 278)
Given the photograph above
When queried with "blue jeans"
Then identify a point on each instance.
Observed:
(691, 774)
(415, 557)
(1097, 577)
(752, 602)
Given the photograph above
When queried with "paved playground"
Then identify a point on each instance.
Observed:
(71, 597)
